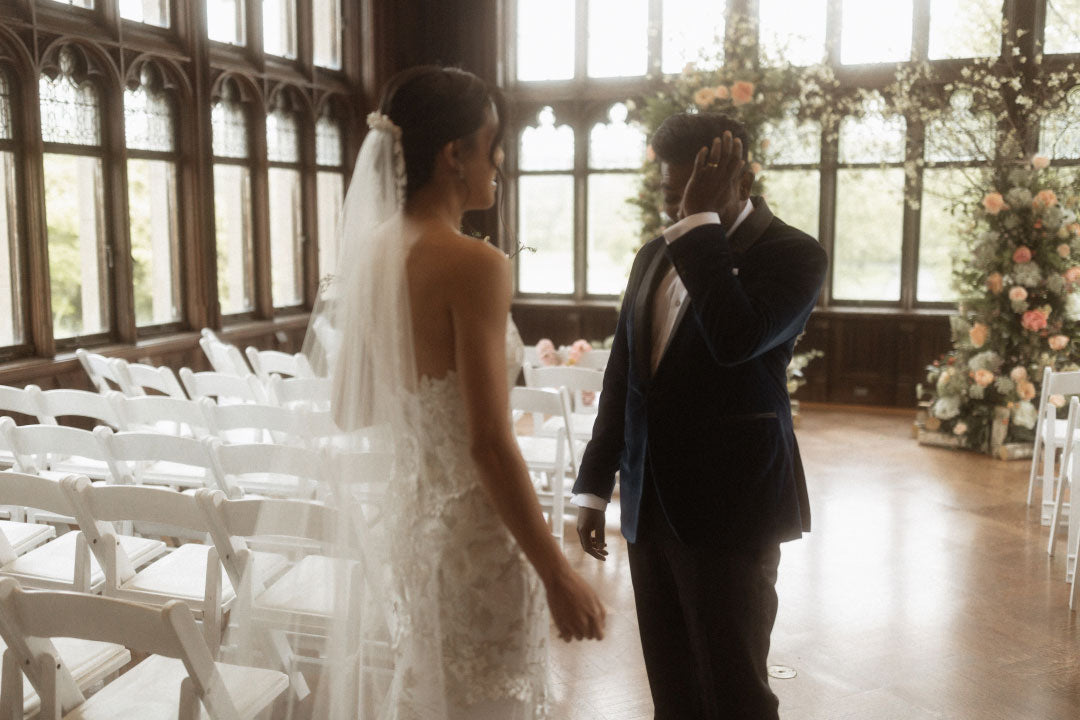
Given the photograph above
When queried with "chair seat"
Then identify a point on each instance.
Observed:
(539, 452)
(78, 465)
(53, 564)
(24, 537)
(89, 662)
(269, 485)
(151, 691)
(179, 575)
(176, 475)
(307, 589)
(581, 425)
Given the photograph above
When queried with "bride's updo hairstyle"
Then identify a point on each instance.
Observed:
(433, 106)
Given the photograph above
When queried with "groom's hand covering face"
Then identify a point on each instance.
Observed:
(717, 180)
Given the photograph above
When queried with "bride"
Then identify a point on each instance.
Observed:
(423, 348)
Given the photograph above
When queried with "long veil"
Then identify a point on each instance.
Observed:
(334, 634)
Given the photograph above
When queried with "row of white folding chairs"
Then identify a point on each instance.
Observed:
(1052, 437)
(226, 358)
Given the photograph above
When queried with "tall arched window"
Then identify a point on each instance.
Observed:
(232, 203)
(329, 187)
(79, 254)
(11, 311)
(149, 113)
(286, 206)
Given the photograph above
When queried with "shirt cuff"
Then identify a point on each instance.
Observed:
(588, 500)
(688, 223)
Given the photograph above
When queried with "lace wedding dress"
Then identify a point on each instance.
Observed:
(470, 615)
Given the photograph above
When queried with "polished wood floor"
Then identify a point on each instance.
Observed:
(924, 592)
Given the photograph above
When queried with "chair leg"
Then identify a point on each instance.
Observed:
(1034, 463)
(1048, 476)
(1062, 479)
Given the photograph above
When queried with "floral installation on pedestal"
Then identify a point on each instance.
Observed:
(1017, 275)
(568, 355)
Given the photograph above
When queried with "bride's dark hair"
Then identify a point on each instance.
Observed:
(433, 106)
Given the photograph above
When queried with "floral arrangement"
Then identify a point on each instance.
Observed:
(550, 356)
(1021, 310)
(799, 361)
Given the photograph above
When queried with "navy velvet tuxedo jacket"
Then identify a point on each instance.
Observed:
(712, 427)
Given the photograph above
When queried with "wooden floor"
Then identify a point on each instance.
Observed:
(924, 591)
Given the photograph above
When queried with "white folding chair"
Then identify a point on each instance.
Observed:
(224, 357)
(141, 458)
(579, 383)
(595, 359)
(21, 401)
(310, 393)
(1050, 437)
(190, 572)
(99, 407)
(136, 378)
(254, 422)
(66, 562)
(100, 369)
(164, 414)
(294, 612)
(1064, 478)
(282, 471)
(223, 387)
(545, 455)
(266, 362)
(179, 680)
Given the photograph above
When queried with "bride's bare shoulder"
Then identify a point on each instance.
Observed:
(459, 258)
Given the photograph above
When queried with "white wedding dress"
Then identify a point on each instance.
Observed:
(469, 612)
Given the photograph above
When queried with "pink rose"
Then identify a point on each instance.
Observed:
(978, 334)
(1058, 342)
(995, 283)
(960, 428)
(1033, 320)
(742, 92)
(1018, 374)
(1056, 400)
(1022, 255)
(1025, 389)
(994, 203)
(549, 356)
(983, 377)
(1040, 163)
(722, 92)
(1072, 274)
(704, 97)
(1045, 199)
(1063, 250)
(1017, 293)
(582, 346)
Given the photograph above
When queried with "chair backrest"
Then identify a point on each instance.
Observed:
(34, 444)
(573, 378)
(254, 422)
(30, 491)
(129, 453)
(595, 359)
(225, 387)
(1060, 383)
(135, 378)
(101, 407)
(235, 463)
(24, 401)
(100, 369)
(29, 619)
(224, 357)
(542, 403)
(266, 362)
(311, 393)
(164, 414)
(97, 506)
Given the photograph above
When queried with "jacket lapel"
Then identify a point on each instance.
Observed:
(748, 232)
(658, 267)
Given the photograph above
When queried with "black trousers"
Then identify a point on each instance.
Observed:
(705, 618)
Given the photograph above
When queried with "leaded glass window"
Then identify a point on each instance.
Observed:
(282, 137)
(794, 32)
(691, 29)
(329, 190)
(286, 212)
(545, 39)
(965, 28)
(149, 115)
(70, 110)
(11, 313)
(279, 27)
(1059, 136)
(1062, 26)
(546, 206)
(225, 21)
(230, 126)
(151, 12)
(618, 37)
(326, 25)
(232, 204)
(874, 32)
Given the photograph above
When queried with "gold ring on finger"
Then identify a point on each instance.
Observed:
(712, 164)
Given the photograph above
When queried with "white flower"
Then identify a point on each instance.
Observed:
(1027, 274)
(946, 408)
(986, 360)
(1024, 414)
(1072, 306)
(1018, 197)
(1004, 385)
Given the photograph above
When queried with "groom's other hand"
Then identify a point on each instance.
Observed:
(714, 180)
(590, 530)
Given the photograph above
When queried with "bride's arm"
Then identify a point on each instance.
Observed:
(480, 304)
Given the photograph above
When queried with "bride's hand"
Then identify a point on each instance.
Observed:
(575, 608)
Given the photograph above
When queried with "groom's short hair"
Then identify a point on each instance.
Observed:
(680, 137)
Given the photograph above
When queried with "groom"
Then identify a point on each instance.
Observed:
(695, 416)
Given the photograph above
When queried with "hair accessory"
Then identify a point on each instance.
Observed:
(383, 123)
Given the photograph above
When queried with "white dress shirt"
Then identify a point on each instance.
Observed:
(668, 301)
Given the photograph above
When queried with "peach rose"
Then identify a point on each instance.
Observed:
(742, 92)
(978, 334)
(983, 377)
(1017, 293)
(1022, 255)
(574, 354)
(1040, 163)
(1063, 250)
(1045, 199)
(994, 203)
(1025, 389)
(1018, 374)
(1072, 274)
(995, 283)
(722, 92)
(1056, 400)
(1033, 320)
(1058, 342)
(704, 97)
(960, 428)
